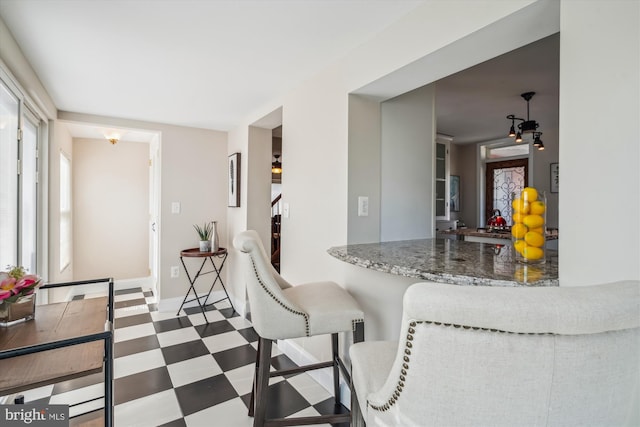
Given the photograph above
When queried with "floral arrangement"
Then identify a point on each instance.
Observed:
(16, 283)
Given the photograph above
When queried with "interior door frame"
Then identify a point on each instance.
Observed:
(483, 160)
(488, 179)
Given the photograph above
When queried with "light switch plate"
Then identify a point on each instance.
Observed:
(363, 206)
(175, 207)
(285, 210)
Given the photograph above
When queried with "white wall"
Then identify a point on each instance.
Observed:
(237, 220)
(465, 166)
(110, 209)
(408, 135)
(599, 87)
(542, 174)
(12, 56)
(258, 188)
(364, 168)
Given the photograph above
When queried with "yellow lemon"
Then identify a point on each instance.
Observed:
(517, 217)
(519, 245)
(527, 274)
(537, 207)
(534, 239)
(533, 221)
(529, 194)
(532, 253)
(519, 230)
(519, 205)
(538, 230)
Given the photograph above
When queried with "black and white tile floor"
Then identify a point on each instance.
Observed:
(180, 371)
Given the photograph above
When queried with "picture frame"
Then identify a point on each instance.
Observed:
(234, 180)
(555, 179)
(454, 193)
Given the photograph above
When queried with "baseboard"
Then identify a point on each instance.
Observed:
(173, 304)
(324, 377)
(118, 285)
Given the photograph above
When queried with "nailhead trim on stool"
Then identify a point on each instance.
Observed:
(286, 307)
(407, 352)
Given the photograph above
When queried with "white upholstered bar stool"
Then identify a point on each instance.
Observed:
(282, 311)
(504, 356)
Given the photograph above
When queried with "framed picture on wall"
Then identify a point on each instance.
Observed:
(454, 192)
(234, 180)
(555, 180)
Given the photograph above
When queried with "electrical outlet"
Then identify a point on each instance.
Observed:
(175, 272)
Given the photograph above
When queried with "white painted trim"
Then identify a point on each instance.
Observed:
(118, 285)
(324, 377)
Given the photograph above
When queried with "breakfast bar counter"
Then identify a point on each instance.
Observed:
(451, 261)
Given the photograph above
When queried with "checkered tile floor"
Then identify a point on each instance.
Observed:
(180, 371)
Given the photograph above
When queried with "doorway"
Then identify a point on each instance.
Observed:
(502, 180)
(116, 186)
(276, 197)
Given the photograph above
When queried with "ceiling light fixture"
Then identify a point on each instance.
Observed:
(113, 138)
(537, 142)
(525, 126)
(276, 167)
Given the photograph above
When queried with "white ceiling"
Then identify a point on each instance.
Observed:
(209, 63)
(199, 63)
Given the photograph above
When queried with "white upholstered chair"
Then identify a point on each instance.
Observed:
(281, 311)
(491, 356)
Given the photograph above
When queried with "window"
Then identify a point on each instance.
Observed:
(9, 113)
(29, 193)
(20, 139)
(501, 152)
(65, 211)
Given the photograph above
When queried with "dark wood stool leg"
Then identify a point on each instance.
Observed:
(358, 332)
(336, 367)
(357, 417)
(255, 379)
(262, 385)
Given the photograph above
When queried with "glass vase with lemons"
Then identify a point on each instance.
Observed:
(528, 230)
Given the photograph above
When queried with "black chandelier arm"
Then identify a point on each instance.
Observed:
(526, 125)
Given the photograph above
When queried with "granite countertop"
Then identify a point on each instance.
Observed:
(451, 261)
(490, 234)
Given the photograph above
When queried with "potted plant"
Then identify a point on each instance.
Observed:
(205, 233)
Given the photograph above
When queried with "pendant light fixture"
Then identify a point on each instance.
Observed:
(525, 126)
(537, 142)
(276, 167)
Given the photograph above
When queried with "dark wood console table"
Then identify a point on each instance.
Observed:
(64, 341)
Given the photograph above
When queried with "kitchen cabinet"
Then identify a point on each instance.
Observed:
(441, 177)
